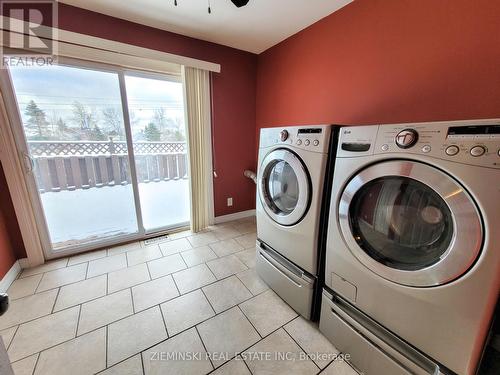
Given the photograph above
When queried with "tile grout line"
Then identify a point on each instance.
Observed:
(164, 322)
(142, 363)
(210, 303)
(123, 360)
(176, 287)
(300, 346)
(149, 271)
(36, 362)
(87, 271)
(106, 348)
(246, 364)
(248, 319)
(204, 347)
(132, 297)
(241, 281)
(55, 301)
(13, 336)
(38, 285)
(78, 321)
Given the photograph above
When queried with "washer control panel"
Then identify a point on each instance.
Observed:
(468, 143)
(310, 138)
(474, 142)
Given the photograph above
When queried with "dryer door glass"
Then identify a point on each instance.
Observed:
(401, 223)
(283, 187)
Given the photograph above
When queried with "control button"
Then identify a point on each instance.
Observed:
(316, 142)
(477, 151)
(307, 142)
(385, 147)
(426, 149)
(406, 138)
(498, 152)
(299, 142)
(452, 150)
(283, 135)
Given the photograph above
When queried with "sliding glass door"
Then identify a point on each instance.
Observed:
(106, 151)
(156, 109)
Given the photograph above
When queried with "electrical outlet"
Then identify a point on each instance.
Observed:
(229, 202)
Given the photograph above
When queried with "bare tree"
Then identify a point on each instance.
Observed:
(83, 117)
(160, 119)
(113, 120)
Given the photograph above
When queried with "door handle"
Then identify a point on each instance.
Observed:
(29, 163)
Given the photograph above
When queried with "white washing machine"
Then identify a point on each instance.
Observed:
(413, 262)
(290, 184)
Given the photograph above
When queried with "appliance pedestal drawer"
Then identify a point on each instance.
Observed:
(372, 349)
(287, 280)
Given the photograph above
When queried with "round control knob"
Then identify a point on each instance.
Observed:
(307, 142)
(315, 142)
(452, 150)
(283, 135)
(406, 138)
(299, 142)
(477, 151)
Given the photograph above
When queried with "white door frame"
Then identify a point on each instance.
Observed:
(19, 190)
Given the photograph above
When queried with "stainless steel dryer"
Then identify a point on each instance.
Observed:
(412, 263)
(290, 184)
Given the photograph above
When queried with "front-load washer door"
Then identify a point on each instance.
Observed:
(284, 187)
(410, 223)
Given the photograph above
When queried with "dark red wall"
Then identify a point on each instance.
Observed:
(233, 96)
(386, 61)
(11, 244)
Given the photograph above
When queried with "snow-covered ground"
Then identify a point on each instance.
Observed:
(101, 212)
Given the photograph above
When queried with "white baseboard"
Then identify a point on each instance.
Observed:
(9, 277)
(24, 263)
(235, 216)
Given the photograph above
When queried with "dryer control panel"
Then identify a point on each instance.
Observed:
(309, 138)
(473, 143)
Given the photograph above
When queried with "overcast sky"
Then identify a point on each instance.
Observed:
(56, 88)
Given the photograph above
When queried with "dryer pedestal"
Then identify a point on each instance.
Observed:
(291, 283)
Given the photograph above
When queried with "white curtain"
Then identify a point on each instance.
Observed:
(199, 135)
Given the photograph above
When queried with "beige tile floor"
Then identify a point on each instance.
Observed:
(191, 304)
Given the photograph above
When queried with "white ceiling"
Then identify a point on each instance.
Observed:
(255, 27)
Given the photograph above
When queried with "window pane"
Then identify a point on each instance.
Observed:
(156, 110)
(73, 122)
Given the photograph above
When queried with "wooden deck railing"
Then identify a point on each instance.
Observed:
(81, 165)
